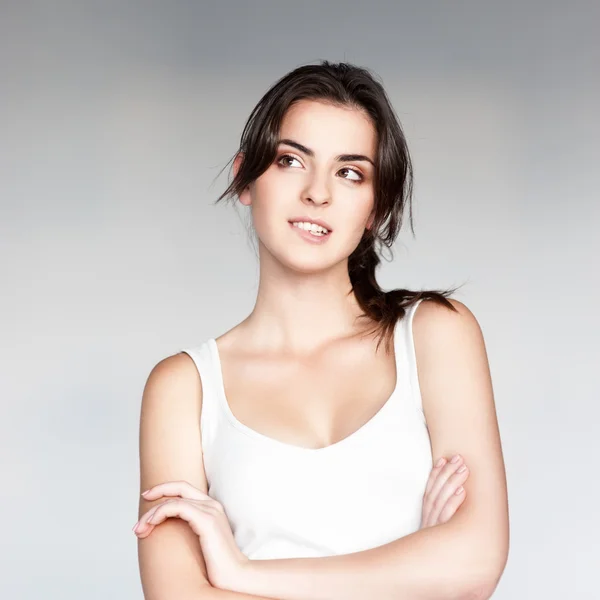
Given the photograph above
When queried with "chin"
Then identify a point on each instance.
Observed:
(307, 264)
(304, 259)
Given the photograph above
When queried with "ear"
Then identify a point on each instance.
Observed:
(244, 196)
(370, 220)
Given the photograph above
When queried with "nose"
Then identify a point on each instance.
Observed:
(316, 193)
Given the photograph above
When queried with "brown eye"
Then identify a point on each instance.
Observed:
(284, 157)
(359, 175)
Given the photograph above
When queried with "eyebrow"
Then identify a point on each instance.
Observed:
(339, 158)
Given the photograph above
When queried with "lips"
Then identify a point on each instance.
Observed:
(308, 236)
(306, 219)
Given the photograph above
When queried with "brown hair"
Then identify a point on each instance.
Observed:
(346, 85)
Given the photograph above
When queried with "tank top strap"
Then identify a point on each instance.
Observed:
(406, 361)
(208, 370)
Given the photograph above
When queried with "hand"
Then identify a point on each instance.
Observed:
(444, 493)
(225, 562)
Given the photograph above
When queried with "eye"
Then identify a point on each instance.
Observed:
(359, 175)
(285, 157)
(281, 161)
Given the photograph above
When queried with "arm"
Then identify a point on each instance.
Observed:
(170, 560)
(461, 559)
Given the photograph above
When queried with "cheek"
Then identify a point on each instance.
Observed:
(273, 196)
(268, 214)
(360, 213)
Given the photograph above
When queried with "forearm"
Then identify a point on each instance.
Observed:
(435, 563)
(217, 594)
(208, 592)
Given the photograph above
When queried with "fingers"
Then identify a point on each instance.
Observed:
(176, 491)
(188, 510)
(183, 489)
(445, 473)
(441, 476)
(452, 505)
(443, 481)
(434, 474)
(449, 481)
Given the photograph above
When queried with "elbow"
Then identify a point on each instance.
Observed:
(479, 592)
(479, 573)
(482, 565)
(466, 582)
(468, 591)
(481, 581)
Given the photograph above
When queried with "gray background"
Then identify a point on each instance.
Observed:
(115, 119)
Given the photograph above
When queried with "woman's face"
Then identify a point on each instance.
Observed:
(314, 180)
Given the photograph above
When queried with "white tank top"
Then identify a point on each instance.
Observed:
(285, 501)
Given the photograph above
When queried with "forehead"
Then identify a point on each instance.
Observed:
(329, 129)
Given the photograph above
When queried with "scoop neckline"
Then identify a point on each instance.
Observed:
(294, 447)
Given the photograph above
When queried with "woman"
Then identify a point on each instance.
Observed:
(309, 420)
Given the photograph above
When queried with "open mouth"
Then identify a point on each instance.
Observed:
(311, 228)
(311, 232)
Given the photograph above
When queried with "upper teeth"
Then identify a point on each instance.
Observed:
(310, 227)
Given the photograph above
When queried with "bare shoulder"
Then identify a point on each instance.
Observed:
(449, 349)
(440, 333)
(170, 449)
(433, 318)
(174, 379)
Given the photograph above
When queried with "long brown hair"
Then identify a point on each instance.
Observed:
(350, 86)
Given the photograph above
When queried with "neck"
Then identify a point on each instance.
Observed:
(297, 311)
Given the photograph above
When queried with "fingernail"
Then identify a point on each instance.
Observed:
(459, 490)
(144, 493)
(440, 462)
(462, 469)
(134, 528)
(455, 459)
